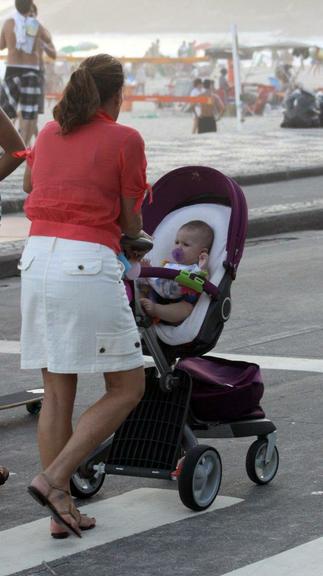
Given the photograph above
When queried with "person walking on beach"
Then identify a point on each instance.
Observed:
(196, 109)
(10, 142)
(210, 111)
(86, 179)
(224, 86)
(20, 35)
(49, 50)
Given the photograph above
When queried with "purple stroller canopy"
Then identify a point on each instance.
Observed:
(195, 185)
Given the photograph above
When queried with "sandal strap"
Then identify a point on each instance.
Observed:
(71, 508)
(53, 486)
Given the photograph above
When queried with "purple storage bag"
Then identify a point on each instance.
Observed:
(222, 389)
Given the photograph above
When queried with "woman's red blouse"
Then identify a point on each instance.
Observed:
(78, 180)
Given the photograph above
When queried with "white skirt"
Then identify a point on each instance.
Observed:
(75, 312)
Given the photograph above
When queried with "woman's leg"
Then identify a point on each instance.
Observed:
(55, 419)
(125, 390)
(55, 429)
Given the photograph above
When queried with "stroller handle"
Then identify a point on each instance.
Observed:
(202, 285)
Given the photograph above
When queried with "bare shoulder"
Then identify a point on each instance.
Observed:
(8, 38)
(8, 25)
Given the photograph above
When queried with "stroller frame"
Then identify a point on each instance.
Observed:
(159, 439)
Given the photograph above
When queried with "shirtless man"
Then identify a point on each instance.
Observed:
(21, 35)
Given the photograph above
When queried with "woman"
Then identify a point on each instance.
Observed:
(86, 177)
(10, 141)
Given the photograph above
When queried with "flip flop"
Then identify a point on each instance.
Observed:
(62, 534)
(4, 475)
(43, 499)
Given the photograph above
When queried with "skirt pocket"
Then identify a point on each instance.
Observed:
(82, 266)
(123, 344)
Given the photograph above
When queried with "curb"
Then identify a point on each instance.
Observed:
(10, 206)
(267, 178)
(283, 223)
(8, 265)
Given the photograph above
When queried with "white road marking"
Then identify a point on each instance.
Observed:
(9, 347)
(277, 362)
(304, 560)
(265, 362)
(269, 362)
(133, 512)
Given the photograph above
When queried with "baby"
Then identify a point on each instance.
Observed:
(191, 252)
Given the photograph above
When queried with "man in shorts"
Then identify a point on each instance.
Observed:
(21, 35)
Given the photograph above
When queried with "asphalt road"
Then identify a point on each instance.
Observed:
(277, 313)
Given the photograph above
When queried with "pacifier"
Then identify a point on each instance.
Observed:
(178, 255)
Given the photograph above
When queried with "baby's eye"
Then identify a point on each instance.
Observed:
(185, 244)
(176, 242)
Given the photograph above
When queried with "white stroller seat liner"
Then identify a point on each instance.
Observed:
(218, 217)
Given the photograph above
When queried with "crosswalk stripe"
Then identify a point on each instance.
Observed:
(117, 517)
(266, 362)
(304, 560)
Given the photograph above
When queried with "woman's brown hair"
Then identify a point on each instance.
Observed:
(95, 81)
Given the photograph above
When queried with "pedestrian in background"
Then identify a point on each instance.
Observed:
(86, 179)
(196, 108)
(211, 111)
(10, 141)
(20, 35)
(224, 86)
(49, 50)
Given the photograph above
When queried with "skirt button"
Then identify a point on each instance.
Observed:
(81, 267)
(102, 350)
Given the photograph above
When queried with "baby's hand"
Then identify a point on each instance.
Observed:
(145, 262)
(203, 260)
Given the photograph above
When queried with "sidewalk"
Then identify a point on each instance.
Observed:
(13, 231)
(261, 152)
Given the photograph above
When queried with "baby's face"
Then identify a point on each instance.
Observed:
(189, 246)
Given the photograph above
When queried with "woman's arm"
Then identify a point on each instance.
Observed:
(130, 221)
(27, 186)
(10, 141)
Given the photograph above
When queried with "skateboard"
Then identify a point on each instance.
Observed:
(32, 399)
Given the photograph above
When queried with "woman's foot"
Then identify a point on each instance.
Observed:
(59, 502)
(58, 531)
(4, 475)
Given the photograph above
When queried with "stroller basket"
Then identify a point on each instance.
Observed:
(222, 389)
(148, 442)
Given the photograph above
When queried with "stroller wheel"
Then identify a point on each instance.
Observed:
(200, 477)
(258, 470)
(85, 487)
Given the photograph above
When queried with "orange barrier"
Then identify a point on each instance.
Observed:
(152, 98)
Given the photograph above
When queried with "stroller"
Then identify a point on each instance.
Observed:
(190, 394)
